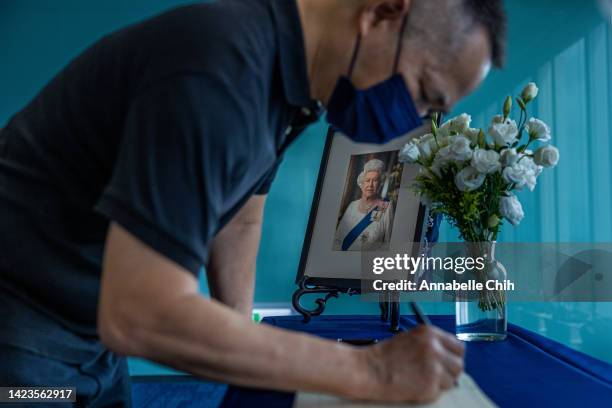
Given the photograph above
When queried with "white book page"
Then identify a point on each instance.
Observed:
(465, 394)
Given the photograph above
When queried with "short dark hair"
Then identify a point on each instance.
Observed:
(491, 15)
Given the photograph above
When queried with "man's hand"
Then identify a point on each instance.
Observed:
(414, 366)
(231, 278)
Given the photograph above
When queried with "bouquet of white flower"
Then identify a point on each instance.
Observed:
(469, 175)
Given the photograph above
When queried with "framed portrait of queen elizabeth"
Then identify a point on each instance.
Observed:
(365, 218)
(362, 202)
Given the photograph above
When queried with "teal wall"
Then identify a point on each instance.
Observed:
(563, 45)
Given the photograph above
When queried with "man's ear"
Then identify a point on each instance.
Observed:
(379, 11)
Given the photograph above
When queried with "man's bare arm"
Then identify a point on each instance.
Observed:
(150, 307)
(231, 278)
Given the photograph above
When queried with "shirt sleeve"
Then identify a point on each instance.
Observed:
(265, 186)
(169, 184)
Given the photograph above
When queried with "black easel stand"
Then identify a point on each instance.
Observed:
(305, 286)
(390, 310)
(388, 302)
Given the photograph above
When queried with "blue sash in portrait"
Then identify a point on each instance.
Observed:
(358, 229)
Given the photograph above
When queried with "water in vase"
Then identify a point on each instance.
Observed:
(474, 324)
(482, 316)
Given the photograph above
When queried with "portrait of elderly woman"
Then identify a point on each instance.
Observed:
(365, 219)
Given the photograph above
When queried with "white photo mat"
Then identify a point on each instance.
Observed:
(320, 260)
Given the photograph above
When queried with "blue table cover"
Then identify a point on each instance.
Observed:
(525, 370)
(176, 391)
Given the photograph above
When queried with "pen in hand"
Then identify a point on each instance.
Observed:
(418, 313)
(422, 319)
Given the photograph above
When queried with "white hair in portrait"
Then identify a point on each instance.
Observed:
(372, 165)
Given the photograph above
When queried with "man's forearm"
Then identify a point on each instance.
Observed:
(205, 338)
(150, 307)
(156, 312)
(231, 269)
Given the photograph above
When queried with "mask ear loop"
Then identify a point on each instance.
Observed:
(398, 52)
(354, 56)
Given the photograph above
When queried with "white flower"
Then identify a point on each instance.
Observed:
(511, 209)
(509, 157)
(547, 156)
(426, 146)
(532, 171)
(444, 130)
(410, 153)
(460, 148)
(443, 157)
(443, 140)
(444, 154)
(529, 92)
(460, 123)
(514, 174)
(469, 179)
(486, 161)
(472, 134)
(503, 132)
(497, 119)
(457, 125)
(522, 173)
(538, 130)
(443, 134)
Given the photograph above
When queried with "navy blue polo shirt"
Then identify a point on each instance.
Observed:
(165, 127)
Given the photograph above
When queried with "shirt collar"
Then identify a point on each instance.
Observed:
(292, 54)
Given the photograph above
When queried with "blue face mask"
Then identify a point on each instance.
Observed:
(376, 114)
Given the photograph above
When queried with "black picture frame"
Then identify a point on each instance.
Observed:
(332, 287)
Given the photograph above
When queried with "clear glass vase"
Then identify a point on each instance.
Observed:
(481, 314)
